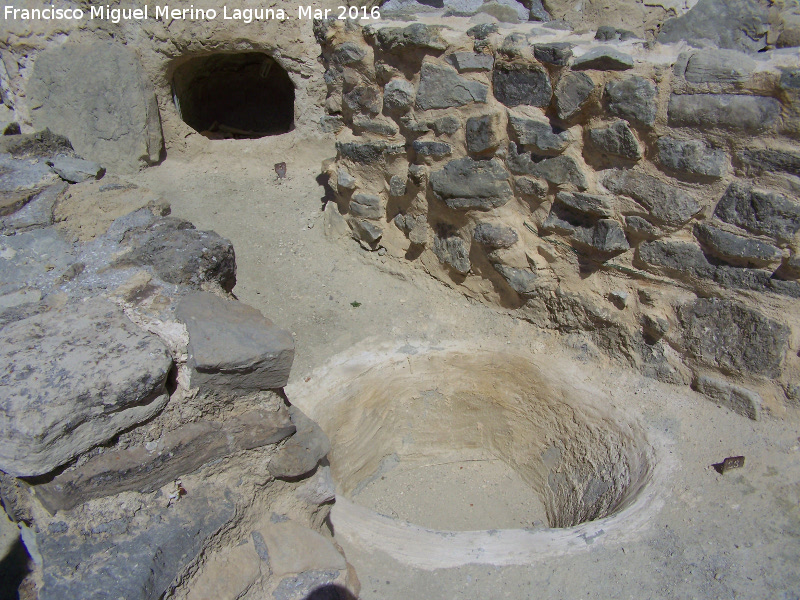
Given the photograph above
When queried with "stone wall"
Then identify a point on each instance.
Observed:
(645, 194)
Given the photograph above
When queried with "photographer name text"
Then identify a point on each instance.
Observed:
(166, 13)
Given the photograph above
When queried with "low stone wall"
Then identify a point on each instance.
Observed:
(646, 194)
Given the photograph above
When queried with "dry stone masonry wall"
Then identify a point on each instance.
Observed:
(645, 194)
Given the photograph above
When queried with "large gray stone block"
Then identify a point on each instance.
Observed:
(72, 379)
(96, 94)
(667, 203)
(718, 66)
(726, 111)
(521, 84)
(443, 87)
(740, 400)
(633, 99)
(694, 157)
(677, 258)
(616, 140)
(454, 252)
(603, 58)
(771, 160)
(572, 92)
(538, 134)
(737, 249)
(232, 346)
(759, 211)
(466, 184)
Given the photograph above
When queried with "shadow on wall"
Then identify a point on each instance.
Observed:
(243, 95)
(13, 570)
(331, 592)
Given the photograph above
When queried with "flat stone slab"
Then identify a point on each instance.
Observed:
(603, 58)
(232, 346)
(468, 184)
(179, 452)
(667, 203)
(726, 111)
(443, 87)
(740, 400)
(72, 379)
(76, 170)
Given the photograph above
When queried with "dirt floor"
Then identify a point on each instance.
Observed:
(712, 536)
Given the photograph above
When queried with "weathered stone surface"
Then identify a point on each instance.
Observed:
(633, 99)
(572, 93)
(180, 254)
(522, 281)
(38, 212)
(397, 186)
(604, 236)
(778, 161)
(367, 206)
(560, 170)
(72, 379)
(471, 61)
(493, 236)
(133, 556)
(465, 183)
(318, 489)
(293, 549)
(483, 133)
(364, 98)
(348, 53)
(366, 231)
(228, 574)
(415, 226)
(556, 53)
(331, 123)
(692, 156)
(42, 144)
(530, 186)
(76, 170)
(98, 96)
(639, 226)
(431, 148)
(707, 111)
(790, 79)
(676, 258)
(740, 400)
(538, 134)
(482, 30)
(177, 453)
(654, 326)
(732, 24)
(20, 180)
(379, 126)
(446, 125)
(232, 346)
(325, 585)
(606, 33)
(733, 338)
(590, 204)
(759, 211)
(398, 94)
(603, 58)
(515, 45)
(443, 87)
(617, 140)
(735, 249)
(301, 453)
(518, 84)
(718, 66)
(452, 251)
(367, 152)
(667, 203)
(414, 37)
(345, 180)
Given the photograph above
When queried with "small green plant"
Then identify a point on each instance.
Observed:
(355, 304)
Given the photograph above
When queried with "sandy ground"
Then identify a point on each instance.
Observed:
(717, 536)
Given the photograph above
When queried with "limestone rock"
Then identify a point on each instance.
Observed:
(98, 96)
(694, 157)
(227, 575)
(731, 24)
(364, 99)
(572, 92)
(736, 249)
(454, 252)
(366, 231)
(348, 53)
(379, 126)
(76, 170)
(522, 281)
(133, 556)
(443, 87)
(483, 133)
(345, 180)
(367, 152)
(232, 346)
(466, 184)
(667, 203)
(20, 180)
(616, 140)
(759, 211)
(590, 204)
(431, 148)
(368, 206)
(446, 125)
(771, 160)
(718, 66)
(530, 186)
(733, 338)
(677, 258)
(603, 58)
(318, 489)
(494, 236)
(740, 400)
(72, 379)
(301, 453)
(752, 114)
(556, 53)
(518, 84)
(295, 549)
(180, 254)
(177, 453)
(471, 61)
(559, 170)
(606, 33)
(633, 99)
(414, 37)
(397, 186)
(398, 94)
(38, 212)
(538, 134)
(482, 30)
